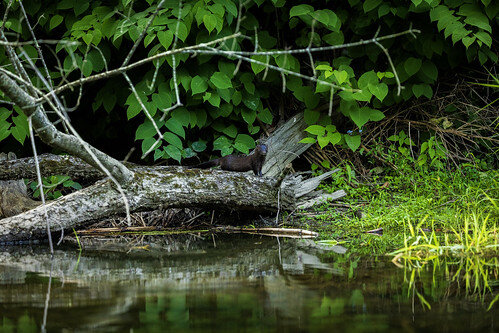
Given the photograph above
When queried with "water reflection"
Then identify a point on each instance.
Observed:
(238, 283)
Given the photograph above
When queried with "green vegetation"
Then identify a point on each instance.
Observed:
(423, 209)
(223, 106)
(430, 186)
(54, 186)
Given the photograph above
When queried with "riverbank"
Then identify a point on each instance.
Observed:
(455, 211)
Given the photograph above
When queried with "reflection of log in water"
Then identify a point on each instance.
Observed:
(111, 283)
(200, 285)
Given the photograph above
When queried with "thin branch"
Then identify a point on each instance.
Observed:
(174, 67)
(309, 52)
(141, 62)
(40, 183)
(278, 69)
(331, 95)
(142, 34)
(135, 93)
(37, 46)
(5, 16)
(196, 49)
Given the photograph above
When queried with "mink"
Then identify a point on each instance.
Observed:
(253, 161)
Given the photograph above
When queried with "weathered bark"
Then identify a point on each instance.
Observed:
(150, 189)
(14, 198)
(284, 146)
(51, 164)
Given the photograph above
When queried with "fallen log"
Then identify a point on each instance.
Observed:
(168, 187)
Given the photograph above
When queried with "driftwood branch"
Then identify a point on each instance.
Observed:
(151, 188)
(49, 134)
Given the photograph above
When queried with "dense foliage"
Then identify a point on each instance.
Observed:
(228, 105)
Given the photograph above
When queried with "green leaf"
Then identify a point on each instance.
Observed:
(467, 41)
(80, 6)
(412, 65)
(173, 139)
(229, 5)
(148, 143)
(321, 16)
(173, 152)
(353, 142)
(18, 133)
(221, 80)
(265, 116)
(221, 143)
(247, 81)
(422, 90)
(214, 100)
(55, 21)
(479, 21)
(375, 115)
(244, 142)
(366, 79)
(249, 116)
(182, 116)
(300, 10)
(311, 116)
(308, 140)
(371, 4)
(257, 68)
(322, 141)
(182, 30)
(230, 131)
(334, 138)
(484, 37)
(316, 130)
(360, 116)
(174, 126)
(162, 100)
(237, 97)
(165, 38)
(199, 146)
(252, 102)
(430, 70)
(363, 96)
(324, 68)
(145, 131)
(198, 85)
(210, 22)
(341, 76)
(334, 38)
(379, 90)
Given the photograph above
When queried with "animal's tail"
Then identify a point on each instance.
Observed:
(206, 165)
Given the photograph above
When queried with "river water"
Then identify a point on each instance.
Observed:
(241, 284)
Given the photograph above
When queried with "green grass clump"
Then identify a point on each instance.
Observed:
(420, 210)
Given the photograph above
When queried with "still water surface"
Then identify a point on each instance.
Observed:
(238, 284)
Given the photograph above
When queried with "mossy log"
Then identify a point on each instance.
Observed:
(150, 189)
(165, 187)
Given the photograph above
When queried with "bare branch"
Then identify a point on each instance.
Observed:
(40, 183)
(142, 34)
(135, 93)
(141, 62)
(37, 46)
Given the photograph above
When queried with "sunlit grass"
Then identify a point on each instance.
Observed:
(426, 214)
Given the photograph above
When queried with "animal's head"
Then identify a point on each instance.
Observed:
(263, 149)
